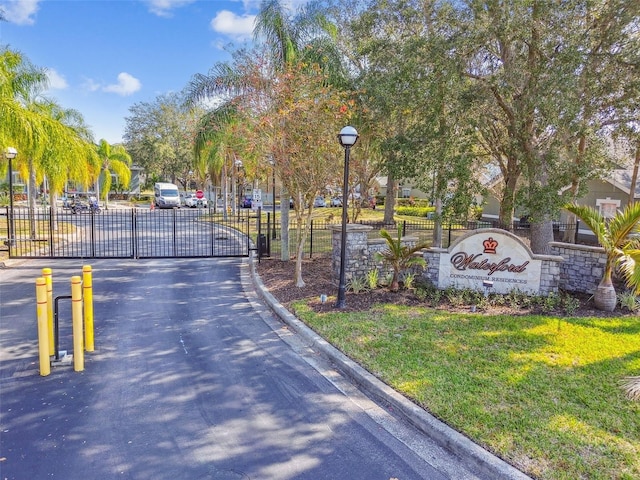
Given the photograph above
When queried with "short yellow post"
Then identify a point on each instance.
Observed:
(48, 276)
(43, 340)
(87, 296)
(76, 314)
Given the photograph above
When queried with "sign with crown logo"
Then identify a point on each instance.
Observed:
(490, 257)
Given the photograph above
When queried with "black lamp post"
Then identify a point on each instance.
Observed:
(10, 153)
(348, 136)
(273, 186)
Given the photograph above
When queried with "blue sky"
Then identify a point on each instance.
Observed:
(103, 56)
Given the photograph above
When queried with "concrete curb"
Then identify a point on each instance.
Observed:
(472, 455)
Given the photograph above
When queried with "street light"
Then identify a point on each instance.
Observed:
(348, 137)
(10, 153)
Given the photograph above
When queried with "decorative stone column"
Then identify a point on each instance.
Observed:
(356, 253)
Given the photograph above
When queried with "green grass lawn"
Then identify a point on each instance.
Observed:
(541, 392)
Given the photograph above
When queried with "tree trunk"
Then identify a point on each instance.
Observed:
(508, 202)
(224, 186)
(569, 235)
(53, 208)
(634, 176)
(437, 224)
(395, 282)
(390, 200)
(234, 190)
(284, 225)
(541, 236)
(605, 297)
(32, 199)
(302, 238)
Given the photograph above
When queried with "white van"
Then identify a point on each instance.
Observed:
(166, 195)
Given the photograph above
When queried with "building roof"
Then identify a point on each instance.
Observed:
(621, 179)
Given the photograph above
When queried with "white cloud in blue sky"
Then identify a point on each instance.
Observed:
(127, 85)
(229, 23)
(56, 81)
(104, 56)
(20, 12)
(164, 8)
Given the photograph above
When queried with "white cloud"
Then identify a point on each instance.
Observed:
(291, 5)
(20, 12)
(56, 81)
(90, 85)
(163, 8)
(127, 85)
(231, 24)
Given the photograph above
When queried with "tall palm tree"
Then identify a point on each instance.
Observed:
(620, 238)
(19, 127)
(47, 140)
(215, 145)
(114, 160)
(72, 159)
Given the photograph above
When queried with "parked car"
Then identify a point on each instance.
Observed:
(319, 202)
(336, 202)
(190, 200)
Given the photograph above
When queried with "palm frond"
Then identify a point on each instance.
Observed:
(631, 386)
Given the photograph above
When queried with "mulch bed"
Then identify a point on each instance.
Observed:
(278, 277)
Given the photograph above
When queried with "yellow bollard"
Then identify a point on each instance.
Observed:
(43, 340)
(87, 296)
(47, 274)
(76, 314)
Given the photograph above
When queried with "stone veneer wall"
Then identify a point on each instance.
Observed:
(583, 267)
(360, 252)
(581, 270)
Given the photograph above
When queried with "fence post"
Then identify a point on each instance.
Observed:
(575, 235)
(259, 236)
(311, 241)
(269, 231)
(404, 228)
(93, 234)
(52, 222)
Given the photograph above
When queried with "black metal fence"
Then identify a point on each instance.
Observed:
(319, 238)
(124, 233)
(145, 233)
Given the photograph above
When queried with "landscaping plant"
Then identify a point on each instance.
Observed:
(399, 257)
(620, 238)
(372, 278)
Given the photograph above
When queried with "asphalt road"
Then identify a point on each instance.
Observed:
(192, 378)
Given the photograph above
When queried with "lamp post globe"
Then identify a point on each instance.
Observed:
(348, 136)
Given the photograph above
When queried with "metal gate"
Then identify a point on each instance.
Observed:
(128, 233)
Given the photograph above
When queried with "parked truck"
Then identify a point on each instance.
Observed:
(166, 195)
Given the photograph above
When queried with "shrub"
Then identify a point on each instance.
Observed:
(399, 257)
(372, 278)
(409, 278)
(414, 211)
(629, 300)
(357, 284)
